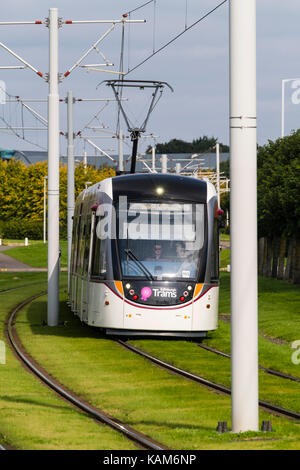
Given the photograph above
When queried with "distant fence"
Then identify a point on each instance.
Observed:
(279, 258)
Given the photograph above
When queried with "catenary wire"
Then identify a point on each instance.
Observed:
(177, 36)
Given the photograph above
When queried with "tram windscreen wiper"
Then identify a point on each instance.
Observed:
(139, 263)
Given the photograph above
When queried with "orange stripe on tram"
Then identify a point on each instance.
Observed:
(119, 287)
(198, 289)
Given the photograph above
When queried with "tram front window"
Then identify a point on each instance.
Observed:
(161, 241)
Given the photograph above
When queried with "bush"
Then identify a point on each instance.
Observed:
(18, 229)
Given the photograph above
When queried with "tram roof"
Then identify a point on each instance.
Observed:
(145, 186)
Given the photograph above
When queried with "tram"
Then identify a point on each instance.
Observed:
(145, 256)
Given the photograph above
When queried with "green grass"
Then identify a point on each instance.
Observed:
(7, 242)
(225, 237)
(278, 307)
(35, 255)
(225, 258)
(175, 411)
(11, 280)
(33, 417)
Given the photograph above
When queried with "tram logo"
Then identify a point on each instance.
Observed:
(165, 292)
(146, 292)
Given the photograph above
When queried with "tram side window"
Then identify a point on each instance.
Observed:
(99, 252)
(74, 241)
(77, 243)
(87, 245)
(80, 245)
(215, 252)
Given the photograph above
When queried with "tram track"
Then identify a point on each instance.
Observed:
(265, 369)
(140, 439)
(19, 287)
(277, 410)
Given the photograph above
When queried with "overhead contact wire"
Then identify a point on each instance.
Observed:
(177, 36)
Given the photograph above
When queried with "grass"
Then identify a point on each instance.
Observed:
(35, 255)
(33, 417)
(278, 307)
(225, 237)
(7, 242)
(175, 411)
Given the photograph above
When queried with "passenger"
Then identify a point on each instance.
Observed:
(157, 253)
(180, 250)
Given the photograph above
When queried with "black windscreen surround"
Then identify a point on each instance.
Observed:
(173, 187)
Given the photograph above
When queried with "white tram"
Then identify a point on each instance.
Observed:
(145, 256)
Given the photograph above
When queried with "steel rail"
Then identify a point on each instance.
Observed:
(207, 383)
(265, 369)
(19, 287)
(94, 413)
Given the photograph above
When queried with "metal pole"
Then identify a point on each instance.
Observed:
(178, 168)
(84, 161)
(135, 134)
(153, 157)
(21, 60)
(218, 172)
(45, 208)
(164, 163)
(121, 156)
(282, 107)
(71, 181)
(53, 172)
(244, 334)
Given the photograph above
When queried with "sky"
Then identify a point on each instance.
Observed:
(196, 65)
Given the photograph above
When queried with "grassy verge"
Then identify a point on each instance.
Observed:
(11, 280)
(278, 307)
(35, 255)
(173, 410)
(225, 237)
(33, 417)
(7, 242)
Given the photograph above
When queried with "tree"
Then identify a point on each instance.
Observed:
(279, 187)
(22, 188)
(201, 145)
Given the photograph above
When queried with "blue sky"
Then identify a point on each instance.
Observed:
(196, 65)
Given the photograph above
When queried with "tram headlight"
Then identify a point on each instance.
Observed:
(127, 286)
(160, 190)
(189, 288)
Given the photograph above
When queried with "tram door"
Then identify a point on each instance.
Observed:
(85, 267)
(88, 243)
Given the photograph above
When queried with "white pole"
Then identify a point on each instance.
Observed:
(218, 172)
(84, 161)
(178, 168)
(53, 172)
(121, 156)
(45, 208)
(282, 107)
(71, 182)
(153, 157)
(164, 163)
(244, 332)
